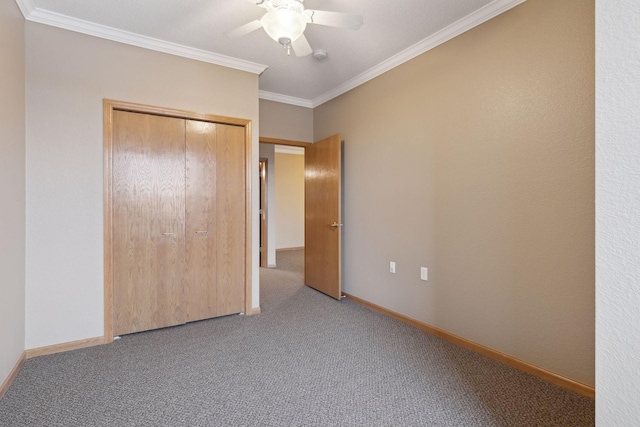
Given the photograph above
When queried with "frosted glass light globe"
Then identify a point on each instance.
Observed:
(283, 24)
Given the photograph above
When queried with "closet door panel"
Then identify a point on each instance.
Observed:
(201, 220)
(230, 206)
(148, 222)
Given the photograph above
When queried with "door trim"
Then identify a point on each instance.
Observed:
(276, 141)
(109, 106)
(264, 234)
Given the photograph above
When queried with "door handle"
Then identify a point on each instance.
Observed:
(335, 224)
(168, 234)
(202, 233)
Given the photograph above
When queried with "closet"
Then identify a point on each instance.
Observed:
(178, 220)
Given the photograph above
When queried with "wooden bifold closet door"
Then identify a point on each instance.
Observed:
(215, 219)
(178, 221)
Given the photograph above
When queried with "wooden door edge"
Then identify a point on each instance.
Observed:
(264, 243)
(340, 219)
(248, 296)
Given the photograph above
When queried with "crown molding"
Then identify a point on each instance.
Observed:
(285, 99)
(491, 10)
(26, 7)
(42, 16)
(470, 21)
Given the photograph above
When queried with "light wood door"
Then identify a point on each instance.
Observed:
(231, 221)
(262, 179)
(215, 225)
(323, 177)
(148, 222)
(201, 225)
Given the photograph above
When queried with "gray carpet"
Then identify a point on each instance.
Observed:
(307, 360)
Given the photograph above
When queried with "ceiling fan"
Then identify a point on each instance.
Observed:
(286, 20)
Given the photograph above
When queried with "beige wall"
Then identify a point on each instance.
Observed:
(12, 187)
(68, 75)
(284, 121)
(289, 191)
(476, 160)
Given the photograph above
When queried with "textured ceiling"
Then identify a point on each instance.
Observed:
(389, 27)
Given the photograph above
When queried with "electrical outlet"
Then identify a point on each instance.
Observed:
(392, 267)
(424, 273)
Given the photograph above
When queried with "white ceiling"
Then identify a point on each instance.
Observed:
(394, 31)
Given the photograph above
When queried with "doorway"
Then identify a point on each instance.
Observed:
(282, 200)
(321, 212)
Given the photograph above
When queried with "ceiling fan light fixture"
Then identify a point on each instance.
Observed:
(286, 20)
(282, 24)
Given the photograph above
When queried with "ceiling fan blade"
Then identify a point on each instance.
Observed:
(245, 29)
(301, 46)
(351, 21)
